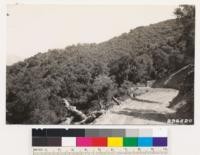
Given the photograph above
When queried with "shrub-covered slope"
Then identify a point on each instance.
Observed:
(183, 103)
(89, 74)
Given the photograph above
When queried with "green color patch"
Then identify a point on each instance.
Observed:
(130, 141)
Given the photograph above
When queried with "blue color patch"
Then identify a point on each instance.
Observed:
(145, 141)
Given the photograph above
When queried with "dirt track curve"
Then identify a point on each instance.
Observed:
(149, 108)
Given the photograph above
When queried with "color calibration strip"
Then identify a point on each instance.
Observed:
(101, 141)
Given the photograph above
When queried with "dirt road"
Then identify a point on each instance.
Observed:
(149, 108)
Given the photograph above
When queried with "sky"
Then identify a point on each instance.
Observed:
(33, 28)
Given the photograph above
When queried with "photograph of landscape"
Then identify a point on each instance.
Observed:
(93, 64)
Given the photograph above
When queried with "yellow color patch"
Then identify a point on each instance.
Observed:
(115, 141)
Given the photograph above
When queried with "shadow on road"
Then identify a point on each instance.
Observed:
(142, 100)
(143, 114)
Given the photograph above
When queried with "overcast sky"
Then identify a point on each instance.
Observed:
(37, 28)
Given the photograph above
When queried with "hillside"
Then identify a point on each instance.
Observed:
(183, 103)
(182, 80)
(175, 80)
(89, 75)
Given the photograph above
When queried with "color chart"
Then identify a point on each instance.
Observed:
(99, 141)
